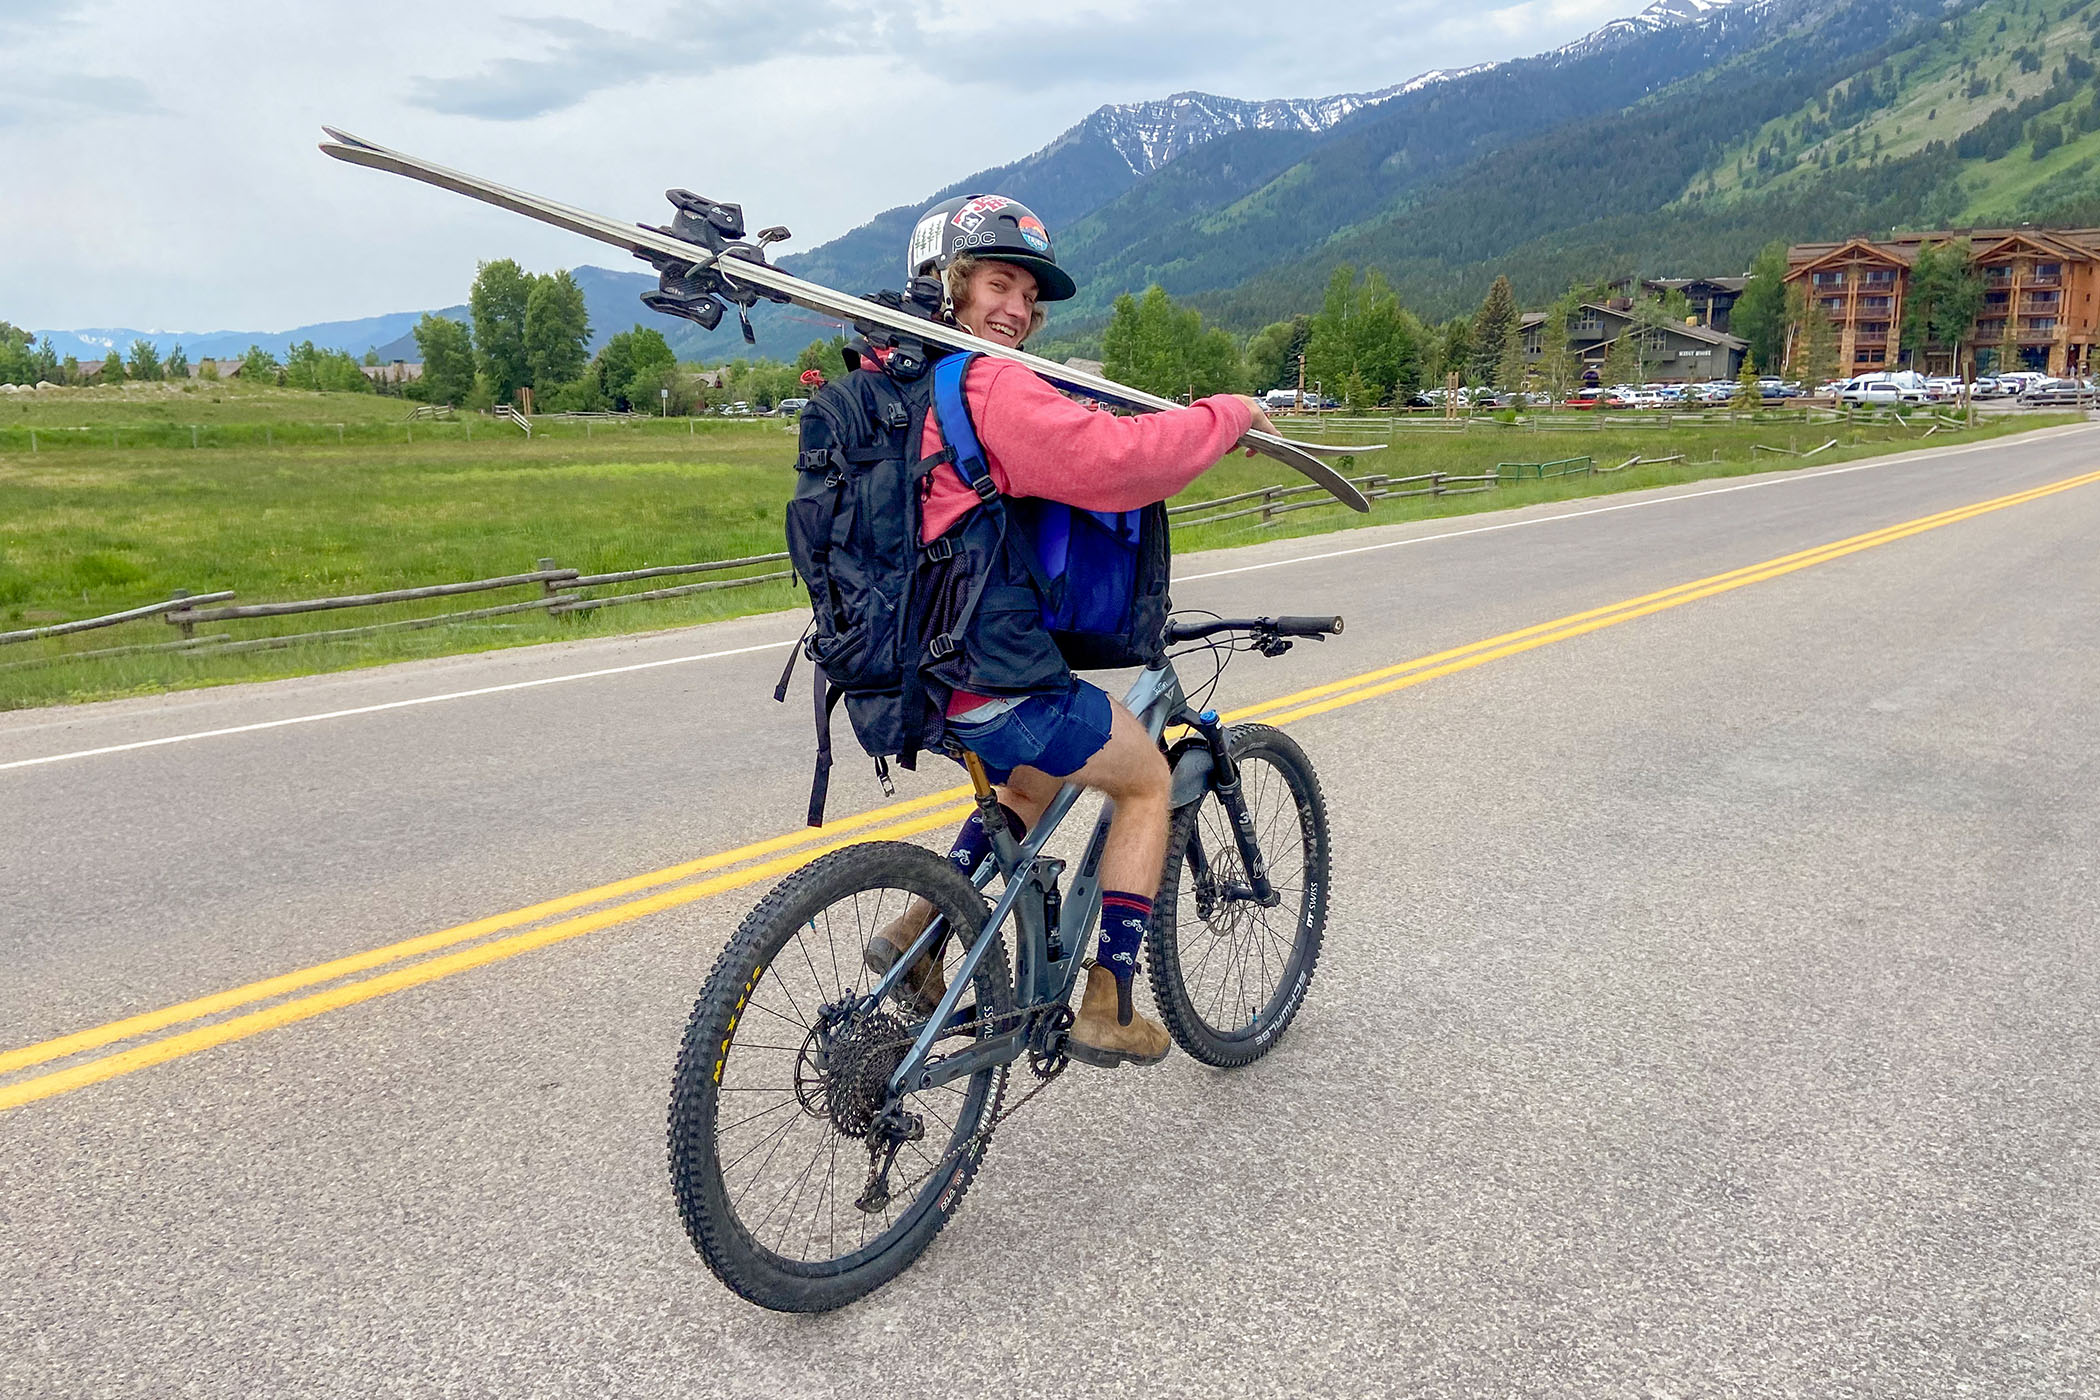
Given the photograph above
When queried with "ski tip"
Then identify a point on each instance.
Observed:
(342, 137)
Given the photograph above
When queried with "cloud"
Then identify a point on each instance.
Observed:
(695, 40)
(28, 99)
(976, 45)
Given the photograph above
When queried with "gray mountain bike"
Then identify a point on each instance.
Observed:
(823, 1128)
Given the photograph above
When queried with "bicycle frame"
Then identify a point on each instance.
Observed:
(1050, 923)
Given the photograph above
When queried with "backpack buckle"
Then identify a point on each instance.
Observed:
(943, 646)
(941, 550)
(985, 487)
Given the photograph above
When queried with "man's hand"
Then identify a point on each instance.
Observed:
(1261, 423)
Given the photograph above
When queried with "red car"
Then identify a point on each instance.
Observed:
(1595, 398)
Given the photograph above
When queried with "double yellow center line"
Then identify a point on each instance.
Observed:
(330, 986)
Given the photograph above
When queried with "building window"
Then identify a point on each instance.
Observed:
(1830, 279)
(2039, 323)
(2048, 272)
(1997, 276)
(2043, 298)
(1833, 304)
(1869, 357)
(1588, 325)
(1876, 303)
(1880, 276)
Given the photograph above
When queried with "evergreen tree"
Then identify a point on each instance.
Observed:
(1760, 316)
(1493, 326)
(178, 366)
(497, 303)
(557, 331)
(447, 348)
(1273, 352)
(113, 368)
(1515, 367)
(143, 362)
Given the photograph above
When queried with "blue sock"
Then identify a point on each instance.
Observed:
(1124, 919)
(973, 843)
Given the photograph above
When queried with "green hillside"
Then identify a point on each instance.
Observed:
(1978, 91)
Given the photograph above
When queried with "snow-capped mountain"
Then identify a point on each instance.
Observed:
(1149, 134)
(1663, 14)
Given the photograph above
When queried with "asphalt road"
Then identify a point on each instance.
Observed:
(1708, 1004)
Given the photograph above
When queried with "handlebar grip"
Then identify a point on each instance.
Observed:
(1308, 626)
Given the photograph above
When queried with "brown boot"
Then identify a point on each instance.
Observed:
(1109, 1033)
(920, 989)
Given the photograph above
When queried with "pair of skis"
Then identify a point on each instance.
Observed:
(738, 271)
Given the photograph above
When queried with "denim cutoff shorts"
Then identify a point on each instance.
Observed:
(1049, 733)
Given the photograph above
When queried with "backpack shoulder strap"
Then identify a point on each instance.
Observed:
(951, 409)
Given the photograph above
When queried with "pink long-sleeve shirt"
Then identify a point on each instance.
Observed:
(1039, 443)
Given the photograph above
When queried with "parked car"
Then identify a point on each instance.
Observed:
(2052, 392)
(1595, 399)
(789, 407)
(1880, 393)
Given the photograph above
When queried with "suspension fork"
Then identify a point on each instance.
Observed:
(1225, 782)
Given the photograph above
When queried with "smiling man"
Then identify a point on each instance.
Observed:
(1011, 696)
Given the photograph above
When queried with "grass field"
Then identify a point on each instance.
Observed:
(89, 530)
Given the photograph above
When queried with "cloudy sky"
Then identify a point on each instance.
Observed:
(158, 170)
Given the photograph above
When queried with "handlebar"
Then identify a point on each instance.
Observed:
(1258, 626)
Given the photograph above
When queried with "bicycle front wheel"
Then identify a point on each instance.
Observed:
(1228, 972)
(799, 1183)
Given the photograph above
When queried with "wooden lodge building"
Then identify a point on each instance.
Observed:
(1671, 354)
(2039, 287)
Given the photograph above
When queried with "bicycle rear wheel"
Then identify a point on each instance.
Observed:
(1229, 974)
(777, 1136)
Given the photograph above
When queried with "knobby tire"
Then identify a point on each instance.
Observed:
(1262, 960)
(750, 999)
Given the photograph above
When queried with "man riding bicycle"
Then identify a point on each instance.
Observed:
(1014, 701)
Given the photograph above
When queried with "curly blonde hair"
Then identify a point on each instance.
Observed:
(958, 282)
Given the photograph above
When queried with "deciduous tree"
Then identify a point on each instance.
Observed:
(1363, 343)
(447, 348)
(1152, 344)
(497, 303)
(557, 331)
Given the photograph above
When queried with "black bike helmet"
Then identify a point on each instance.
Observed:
(987, 226)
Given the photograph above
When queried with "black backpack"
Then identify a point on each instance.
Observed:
(1000, 604)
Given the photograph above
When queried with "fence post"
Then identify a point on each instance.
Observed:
(1268, 502)
(1436, 484)
(548, 566)
(193, 437)
(189, 629)
(338, 435)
